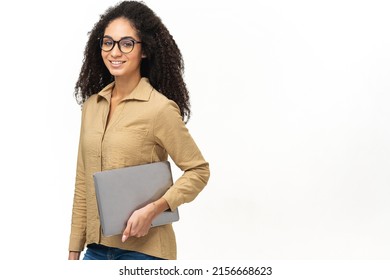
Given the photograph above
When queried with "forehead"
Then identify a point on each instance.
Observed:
(119, 28)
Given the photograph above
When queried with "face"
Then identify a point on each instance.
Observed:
(118, 63)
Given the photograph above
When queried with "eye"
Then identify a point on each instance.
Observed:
(107, 42)
(126, 43)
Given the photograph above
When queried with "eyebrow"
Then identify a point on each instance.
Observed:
(125, 37)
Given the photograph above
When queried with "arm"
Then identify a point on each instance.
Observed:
(171, 133)
(78, 226)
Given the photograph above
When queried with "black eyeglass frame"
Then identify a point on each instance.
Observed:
(118, 42)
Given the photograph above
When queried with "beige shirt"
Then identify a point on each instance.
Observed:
(145, 127)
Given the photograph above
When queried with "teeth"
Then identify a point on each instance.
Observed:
(116, 62)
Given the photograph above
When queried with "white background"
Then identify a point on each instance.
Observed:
(290, 104)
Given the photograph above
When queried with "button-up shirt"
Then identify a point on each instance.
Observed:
(145, 127)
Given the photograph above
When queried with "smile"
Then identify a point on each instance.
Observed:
(116, 63)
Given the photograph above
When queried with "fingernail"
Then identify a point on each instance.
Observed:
(124, 238)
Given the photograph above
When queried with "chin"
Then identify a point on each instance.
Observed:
(117, 73)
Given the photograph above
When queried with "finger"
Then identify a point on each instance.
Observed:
(137, 231)
(134, 230)
(126, 232)
(142, 232)
(138, 235)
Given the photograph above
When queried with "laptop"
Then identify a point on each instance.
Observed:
(119, 192)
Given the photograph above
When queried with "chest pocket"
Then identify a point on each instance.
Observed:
(123, 147)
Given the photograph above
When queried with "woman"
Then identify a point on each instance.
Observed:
(134, 104)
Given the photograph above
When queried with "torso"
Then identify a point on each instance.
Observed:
(113, 104)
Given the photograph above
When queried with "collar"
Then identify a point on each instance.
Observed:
(141, 92)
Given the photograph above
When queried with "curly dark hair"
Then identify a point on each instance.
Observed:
(163, 64)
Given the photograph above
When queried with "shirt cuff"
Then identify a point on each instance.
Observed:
(76, 243)
(173, 198)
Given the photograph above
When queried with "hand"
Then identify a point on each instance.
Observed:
(74, 255)
(139, 222)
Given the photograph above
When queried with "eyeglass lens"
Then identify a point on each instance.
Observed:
(126, 45)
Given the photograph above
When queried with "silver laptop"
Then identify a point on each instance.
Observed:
(119, 192)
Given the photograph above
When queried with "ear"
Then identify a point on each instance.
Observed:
(143, 55)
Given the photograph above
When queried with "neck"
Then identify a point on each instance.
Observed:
(124, 85)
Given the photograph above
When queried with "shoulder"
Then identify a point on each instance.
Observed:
(149, 97)
(166, 110)
(94, 98)
(90, 102)
(162, 104)
(104, 93)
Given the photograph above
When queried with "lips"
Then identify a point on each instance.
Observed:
(116, 63)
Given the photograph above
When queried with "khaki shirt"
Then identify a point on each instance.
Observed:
(145, 127)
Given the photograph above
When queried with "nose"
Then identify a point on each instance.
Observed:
(115, 52)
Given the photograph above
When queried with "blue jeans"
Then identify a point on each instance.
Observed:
(101, 252)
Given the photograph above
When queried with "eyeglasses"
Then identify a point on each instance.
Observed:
(126, 44)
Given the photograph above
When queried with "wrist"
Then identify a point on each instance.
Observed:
(74, 255)
(153, 209)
